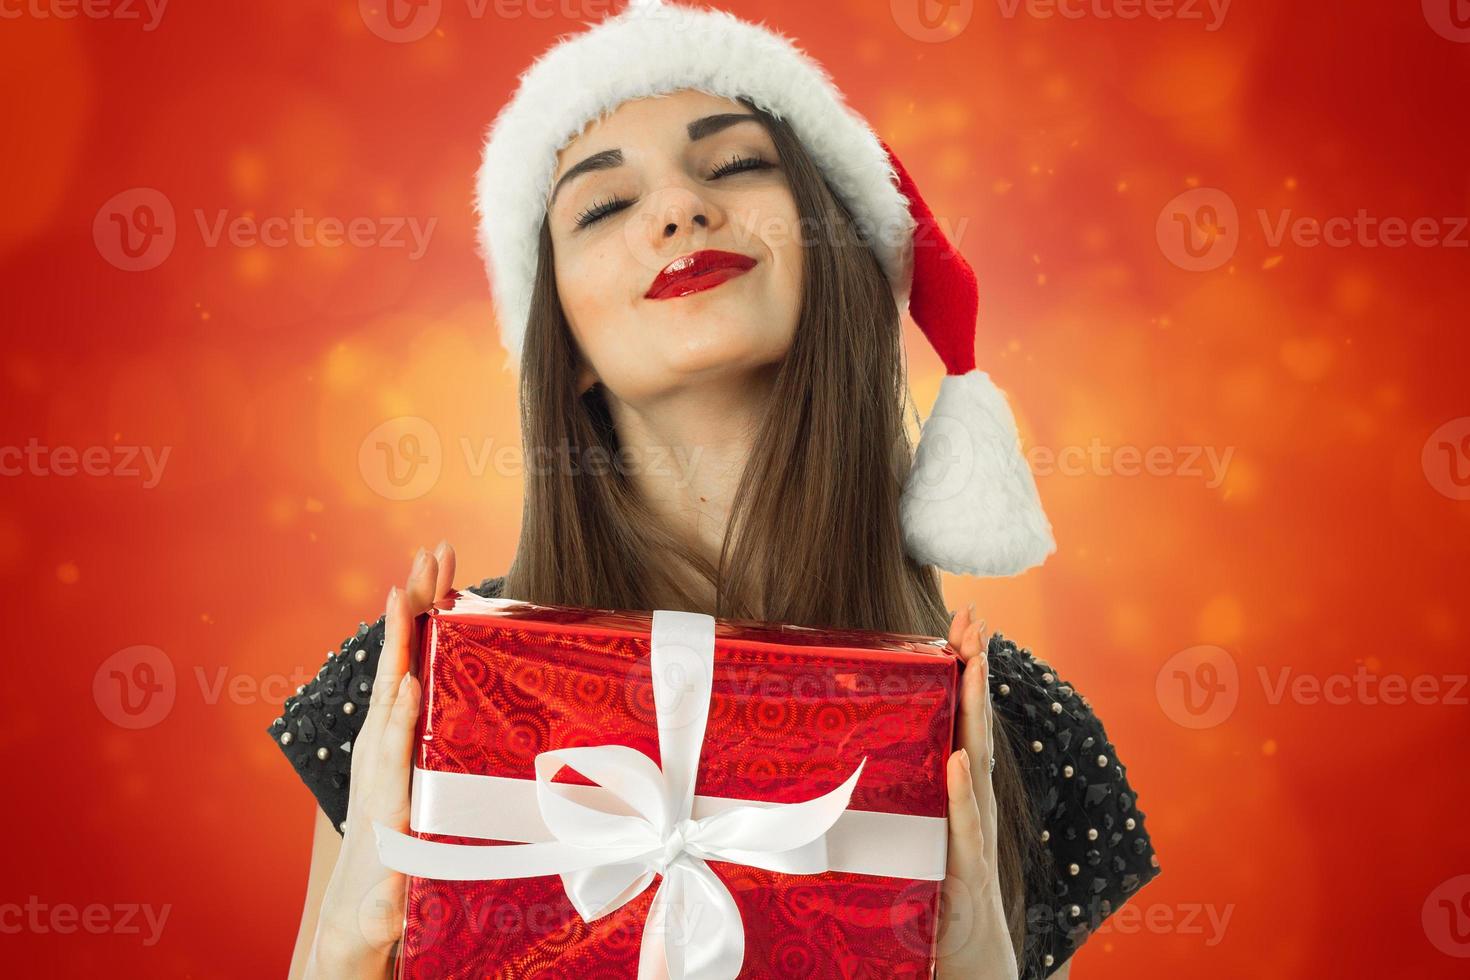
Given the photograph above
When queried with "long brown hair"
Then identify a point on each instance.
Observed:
(814, 536)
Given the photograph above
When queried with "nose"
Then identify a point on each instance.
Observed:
(671, 224)
(678, 211)
(674, 219)
(681, 210)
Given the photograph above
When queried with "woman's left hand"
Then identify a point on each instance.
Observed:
(974, 941)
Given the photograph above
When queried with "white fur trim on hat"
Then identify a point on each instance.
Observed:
(653, 48)
(970, 504)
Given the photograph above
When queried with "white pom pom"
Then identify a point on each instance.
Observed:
(970, 504)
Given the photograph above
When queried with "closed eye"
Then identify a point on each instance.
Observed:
(738, 164)
(598, 211)
(601, 210)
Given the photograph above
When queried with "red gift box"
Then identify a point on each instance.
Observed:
(793, 714)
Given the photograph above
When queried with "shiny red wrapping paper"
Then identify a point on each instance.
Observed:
(793, 711)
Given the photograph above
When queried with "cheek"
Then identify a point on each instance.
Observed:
(586, 284)
(775, 222)
(779, 228)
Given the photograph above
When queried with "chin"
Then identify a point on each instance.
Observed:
(713, 347)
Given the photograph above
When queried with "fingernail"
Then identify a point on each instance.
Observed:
(972, 610)
(419, 557)
(439, 548)
(403, 685)
(392, 591)
(965, 760)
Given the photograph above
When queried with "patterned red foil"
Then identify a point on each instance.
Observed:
(793, 710)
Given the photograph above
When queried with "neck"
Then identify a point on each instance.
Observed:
(686, 451)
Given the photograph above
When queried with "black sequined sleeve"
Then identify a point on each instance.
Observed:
(319, 722)
(1095, 847)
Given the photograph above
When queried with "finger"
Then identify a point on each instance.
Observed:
(969, 644)
(965, 844)
(975, 719)
(444, 555)
(987, 710)
(978, 731)
(392, 662)
(394, 756)
(959, 624)
(421, 578)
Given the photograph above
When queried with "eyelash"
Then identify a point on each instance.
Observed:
(733, 166)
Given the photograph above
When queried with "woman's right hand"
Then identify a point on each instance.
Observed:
(361, 917)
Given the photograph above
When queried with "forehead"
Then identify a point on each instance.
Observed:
(656, 116)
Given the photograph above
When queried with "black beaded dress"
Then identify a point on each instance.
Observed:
(1095, 849)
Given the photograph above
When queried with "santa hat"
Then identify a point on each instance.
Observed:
(969, 504)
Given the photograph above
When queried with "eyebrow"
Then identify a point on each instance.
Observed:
(611, 159)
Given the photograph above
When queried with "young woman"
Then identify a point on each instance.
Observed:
(712, 392)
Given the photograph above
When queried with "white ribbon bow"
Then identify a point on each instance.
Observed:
(606, 857)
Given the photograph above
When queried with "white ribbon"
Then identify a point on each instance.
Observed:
(606, 856)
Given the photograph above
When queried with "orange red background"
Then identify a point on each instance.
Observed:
(1325, 832)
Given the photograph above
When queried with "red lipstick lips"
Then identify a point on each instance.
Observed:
(697, 271)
